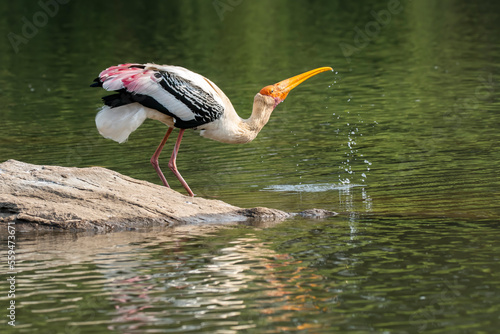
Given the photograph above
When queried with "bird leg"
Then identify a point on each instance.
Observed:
(154, 158)
(173, 166)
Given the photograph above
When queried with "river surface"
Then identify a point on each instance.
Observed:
(401, 139)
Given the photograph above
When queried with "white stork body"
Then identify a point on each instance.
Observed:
(181, 98)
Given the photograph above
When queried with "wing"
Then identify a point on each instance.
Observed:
(188, 97)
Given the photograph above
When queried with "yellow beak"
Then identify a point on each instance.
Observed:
(280, 90)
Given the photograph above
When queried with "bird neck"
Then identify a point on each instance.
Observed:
(232, 129)
(263, 107)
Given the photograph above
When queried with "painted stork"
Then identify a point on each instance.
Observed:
(183, 99)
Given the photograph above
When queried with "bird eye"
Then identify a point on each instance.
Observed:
(268, 90)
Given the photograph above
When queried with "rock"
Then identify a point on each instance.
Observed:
(63, 198)
(317, 213)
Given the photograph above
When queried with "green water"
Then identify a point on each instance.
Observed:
(401, 139)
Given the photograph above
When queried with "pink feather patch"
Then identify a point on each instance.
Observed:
(125, 76)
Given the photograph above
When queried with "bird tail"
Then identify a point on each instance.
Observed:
(119, 122)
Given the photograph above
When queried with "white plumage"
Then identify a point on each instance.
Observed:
(118, 123)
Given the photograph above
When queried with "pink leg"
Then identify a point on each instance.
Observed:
(173, 167)
(154, 158)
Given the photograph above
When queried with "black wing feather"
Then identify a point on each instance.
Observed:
(204, 107)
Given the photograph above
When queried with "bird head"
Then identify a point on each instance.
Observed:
(280, 90)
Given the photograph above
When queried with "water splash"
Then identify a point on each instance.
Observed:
(311, 188)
